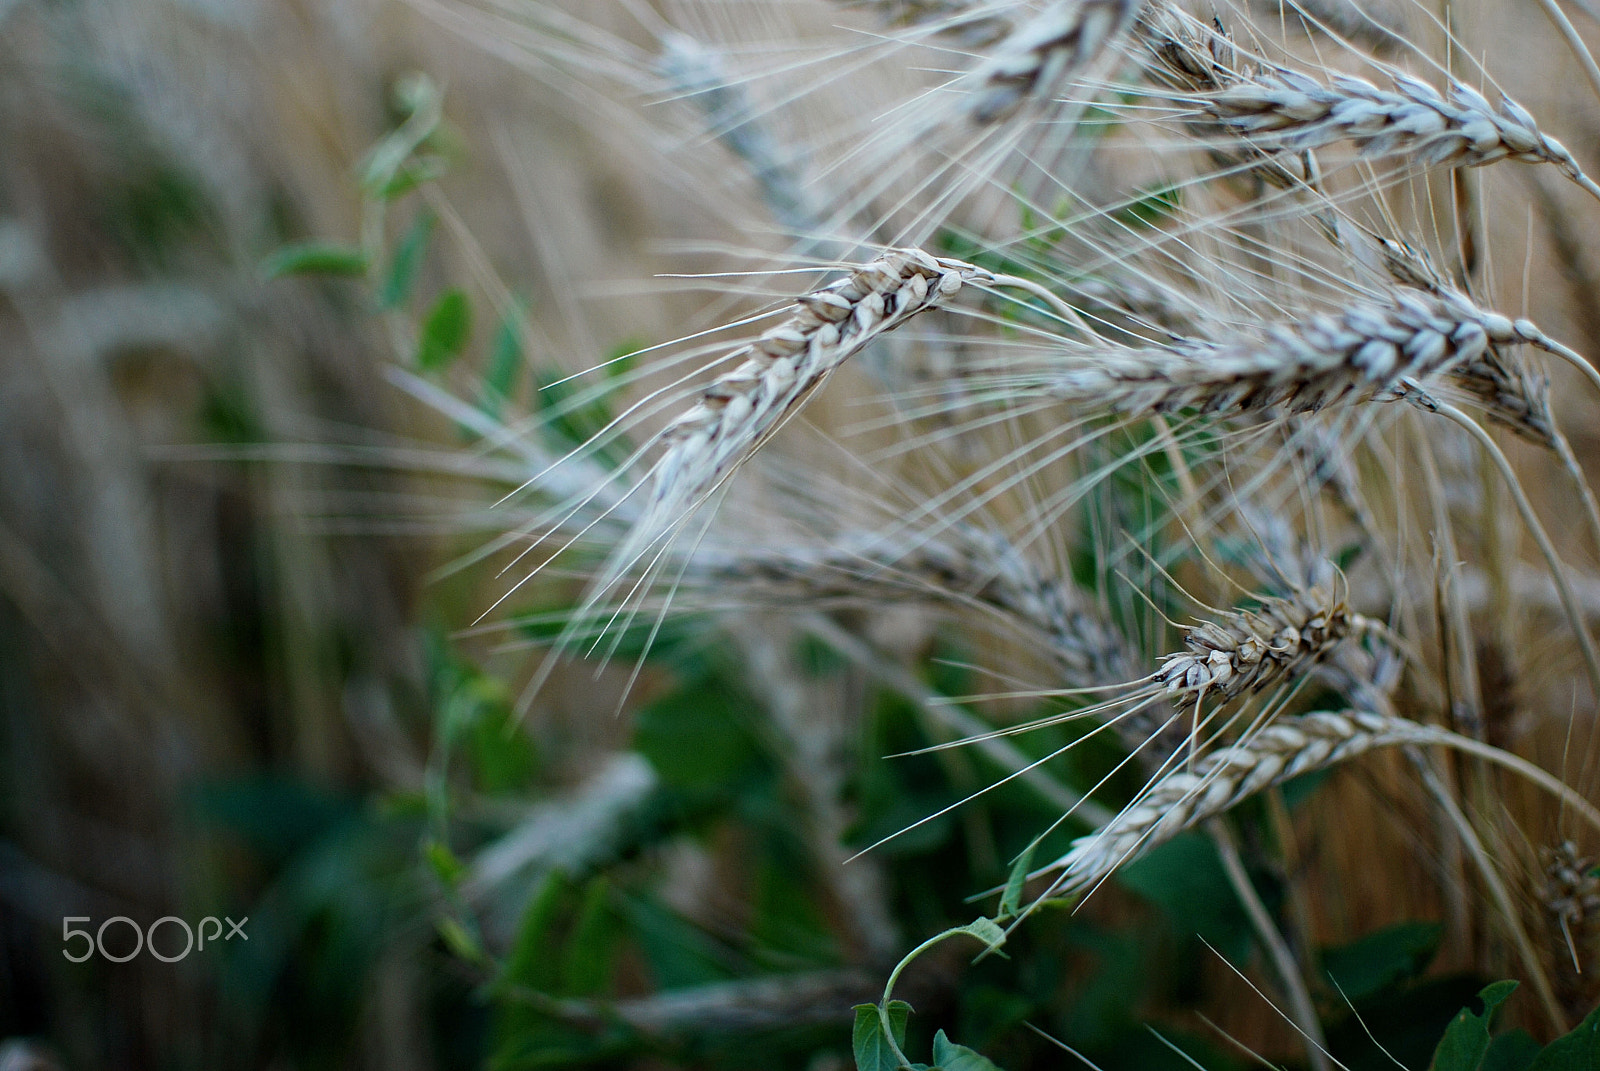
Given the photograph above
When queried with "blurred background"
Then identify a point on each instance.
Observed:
(233, 677)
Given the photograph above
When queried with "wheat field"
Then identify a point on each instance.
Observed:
(614, 531)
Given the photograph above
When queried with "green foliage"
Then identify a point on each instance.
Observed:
(1468, 1046)
(875, 1048)
(1579, 1050)
(445, 331)
(505, 363)
(948, 1056)
(573, 414)
(406, 262)
(1154, 206)
(314, 258)
(879, 1036)
(158, 211)
(1466, 1040)
(1185, 878)
(1382, 959)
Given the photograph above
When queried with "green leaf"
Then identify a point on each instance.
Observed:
(1383, 958)
(1577, 1051)
(985, 930)
(569, 418)
(698, 737)
(1186, 880)
(620, 360)
(1466, 1039)
(948, 1056)
(419, 98)
(586, 966)
(505, 361)
(444, 863)
(314, 258)
(677, 952)
(872, 1049)
(445, 331)
(1514, 1050)
(407, 259)
(1156, 204)
(531, 962)
(460, 942)
(411, 174)
(1011, 899)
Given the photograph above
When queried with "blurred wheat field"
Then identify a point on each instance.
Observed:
(402, 546)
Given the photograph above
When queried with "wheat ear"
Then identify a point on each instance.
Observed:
(1062, 40)
(1244, 651)
(1278, 110)
(1288, 748)
(963, 565)
(1367, 350)
(1282, 110)
(783, 368)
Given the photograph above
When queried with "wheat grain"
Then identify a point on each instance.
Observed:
(1191, 59)
(1511, 395)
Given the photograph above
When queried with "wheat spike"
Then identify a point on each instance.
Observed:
(1368, 350)
(962, 565)
(1244, 651)
(1278, 110)
(782, 368)
(1042, 52)
(1220, 780)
